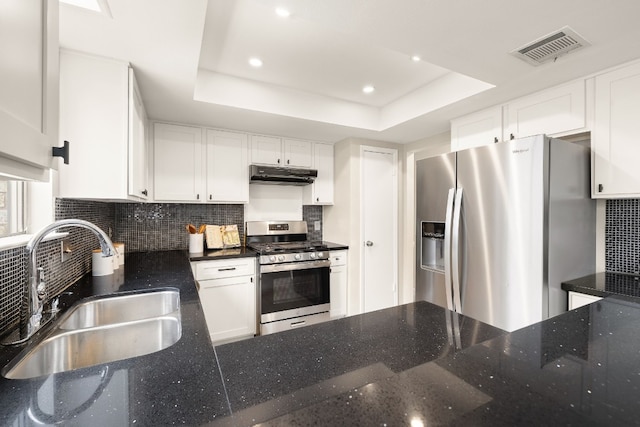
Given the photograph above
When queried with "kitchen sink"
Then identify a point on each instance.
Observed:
(92, 335)
(121, 308)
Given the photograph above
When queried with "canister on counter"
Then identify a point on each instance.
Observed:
(101, 265)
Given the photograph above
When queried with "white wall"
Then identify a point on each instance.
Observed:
(273, 203)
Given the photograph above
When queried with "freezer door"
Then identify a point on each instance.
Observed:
(501, 236)
(435, 176)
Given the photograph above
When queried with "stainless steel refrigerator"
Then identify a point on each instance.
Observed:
(500, 227)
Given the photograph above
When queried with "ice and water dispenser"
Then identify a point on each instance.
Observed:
(432, 246)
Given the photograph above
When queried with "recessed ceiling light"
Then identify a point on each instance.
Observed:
(282, 12)
(415, 58)
(255, 62)
(368, 89)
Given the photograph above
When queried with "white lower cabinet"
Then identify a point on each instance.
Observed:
(577, 299)
(227, 291)
(338, 279)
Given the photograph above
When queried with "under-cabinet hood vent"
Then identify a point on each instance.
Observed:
(551, 46)
(281, 176)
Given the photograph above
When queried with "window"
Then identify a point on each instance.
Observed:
(13, 212)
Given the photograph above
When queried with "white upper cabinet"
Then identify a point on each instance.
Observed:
(297, 153)
(614, 138)
(29, 89)
(186, 169)
(321, 191)
(177, 163)
(138, 142)
(269, 150)
(103, 117)
(477, 129)
(227, 167)
(266, 150)
(556, 111)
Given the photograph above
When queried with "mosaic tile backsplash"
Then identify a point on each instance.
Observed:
(622, 236)
(161, 226)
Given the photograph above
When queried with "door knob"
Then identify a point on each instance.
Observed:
(369, 243)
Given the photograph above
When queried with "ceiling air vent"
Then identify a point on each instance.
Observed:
(550, 47)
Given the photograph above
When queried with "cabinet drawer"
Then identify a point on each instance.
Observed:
(338, 258)
(219, 269)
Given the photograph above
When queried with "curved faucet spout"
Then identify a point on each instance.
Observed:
(35, 291)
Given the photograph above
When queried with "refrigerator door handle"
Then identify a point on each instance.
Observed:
(447, 248)
(455, 251)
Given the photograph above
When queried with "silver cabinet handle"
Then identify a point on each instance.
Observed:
(369, 243)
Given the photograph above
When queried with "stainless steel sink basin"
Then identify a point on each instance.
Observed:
(93, 339)
(122, 308)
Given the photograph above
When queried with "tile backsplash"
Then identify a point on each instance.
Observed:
(622, 236)
(161, 226)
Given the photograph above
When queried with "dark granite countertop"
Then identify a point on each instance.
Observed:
(412, 363)
(213, 254)
(605, 284)
(335, 246)
(180, 384)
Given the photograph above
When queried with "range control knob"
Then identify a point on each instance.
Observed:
(312, 255)
(297, 256)
(272, 258)
(320, 254)
(280, 257)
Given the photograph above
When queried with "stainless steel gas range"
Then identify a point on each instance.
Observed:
(293, 280)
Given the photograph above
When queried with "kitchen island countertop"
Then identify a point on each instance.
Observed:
(414, 363)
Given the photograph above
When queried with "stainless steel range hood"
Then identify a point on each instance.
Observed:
(260, 174)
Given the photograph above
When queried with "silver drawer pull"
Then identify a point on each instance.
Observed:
(298, 323)
(227, 269)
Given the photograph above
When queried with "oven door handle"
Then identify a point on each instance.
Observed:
(291, 266)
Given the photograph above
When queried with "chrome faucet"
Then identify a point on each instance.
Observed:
(35, 289)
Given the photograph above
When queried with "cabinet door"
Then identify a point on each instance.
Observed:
(477, 129)
(297, 153)
(266, 150)
(338, 291)
(321, 191)
(29, 89)
(229, 307)
(177, 163)
(98, 131)
(138, 166)
(614, 139)
(577, 299)
(227, 167)
(554, 111)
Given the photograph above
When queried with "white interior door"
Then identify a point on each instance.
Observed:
(379, 185)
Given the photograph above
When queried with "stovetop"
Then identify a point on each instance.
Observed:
(267, 248)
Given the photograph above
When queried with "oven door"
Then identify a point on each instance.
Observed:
(293, 289)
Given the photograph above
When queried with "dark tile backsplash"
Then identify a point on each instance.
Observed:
(162, 226)
(622, 236)
(311, 214)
